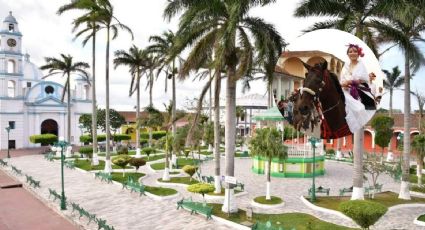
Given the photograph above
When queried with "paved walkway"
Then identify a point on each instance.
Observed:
(121, 209)
(20, 210)
(127, 211)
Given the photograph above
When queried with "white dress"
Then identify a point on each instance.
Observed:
(357, 116)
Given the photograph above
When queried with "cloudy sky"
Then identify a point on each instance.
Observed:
(47, 34)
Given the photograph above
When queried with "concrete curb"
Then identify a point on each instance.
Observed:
(161, 198)
(418, 194)
(325, 210)
(401, 206)
(267, 206)
(418, 222)
(230, 223)
(174, 184)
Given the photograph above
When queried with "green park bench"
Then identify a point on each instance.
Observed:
(70, 164)
(320, 189)
(3, 163)
(240, 185)
(195, 207)
(55, 195)
(32, 182)
(265, 225)
(49, 156)
(342, 191)
(82, 212)
(134, 186)
(245, 154)
(102, 225)
(103, 176)
(369, 190)
(16, 171)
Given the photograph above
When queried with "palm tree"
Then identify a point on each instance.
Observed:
(66, 66)
(135, 59)
(352, 16)
(91, 27)
(268, 143)
(111, 24)
(421, 103)
(392, 82)
(418, 146)
(224, 24)
(404, 28)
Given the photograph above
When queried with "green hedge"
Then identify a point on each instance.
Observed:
(44, 139)
(330, 152)
(86, 149)
(364, 213)
(102, 137)
(155, 135)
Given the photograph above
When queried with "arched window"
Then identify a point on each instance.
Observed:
(86, 92)
(11, 89)
(11, 66)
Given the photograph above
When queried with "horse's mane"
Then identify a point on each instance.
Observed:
(337, 85)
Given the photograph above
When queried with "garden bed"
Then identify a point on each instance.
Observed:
(179, 180)
(180, 163)
(86, 165)
(159, 191)
(299, 221)
(387, 199)
(273, 201)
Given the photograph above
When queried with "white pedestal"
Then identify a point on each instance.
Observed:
(390, 156)
(229, 203)
(338, 155)
(138, 155)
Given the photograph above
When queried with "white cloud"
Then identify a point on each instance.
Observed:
(47, 34)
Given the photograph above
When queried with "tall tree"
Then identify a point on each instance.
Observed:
(267, 143)
(404, 27)
(66, 67)
(225, 24)
(89, 19)
(108, 21)
(392, 81)
(418, 146)
(420, 98)
(136, 60)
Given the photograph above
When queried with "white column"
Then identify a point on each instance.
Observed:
(373, 139)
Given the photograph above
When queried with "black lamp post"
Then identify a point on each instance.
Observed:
(8, 147)
(60, 146)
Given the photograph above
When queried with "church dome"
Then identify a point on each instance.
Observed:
(10, 18)
(31, 71)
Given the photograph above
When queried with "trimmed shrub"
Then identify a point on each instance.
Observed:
(148, 151)
(330, 152)
(137, 162)
(122, 150)
(44, 139)
(201, 188)
(143, 141)
(88, 150)
(121, 137)
(156, 135)
(190, 170)
(89, 138)
(364, 213)
(121, 161)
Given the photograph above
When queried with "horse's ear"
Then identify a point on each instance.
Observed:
(308, 67)
(324, 65)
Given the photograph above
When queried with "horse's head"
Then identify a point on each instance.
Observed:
(313, 85)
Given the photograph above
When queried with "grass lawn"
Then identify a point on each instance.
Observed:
(299, 221)
(273, 200)
(414, 179)
(102, 154)
(422, 218)
(180, 162)
(222, 192)
(117, 176)
(180, 180)
(387, 199)
(159, 191)
(73, 157)
(417, 188)
(206, 153)
(240, 154)
(174, 172)
(86, 165)
(154, 158)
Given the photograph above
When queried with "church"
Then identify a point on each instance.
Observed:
(29, 104)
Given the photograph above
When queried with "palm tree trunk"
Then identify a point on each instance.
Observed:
(210, 104)
(173, 111)
(138, 155)
(68, 135)
(419, 166)
(95, 160)
(358, 192)
(390, 113)
(229, 204)
(404, 187)
(108, 167)
(269, 168)
(217, 137)
(166, 175)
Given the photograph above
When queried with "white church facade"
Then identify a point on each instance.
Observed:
(29, 104)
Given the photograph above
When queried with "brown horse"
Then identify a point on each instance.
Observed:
(322, 94)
